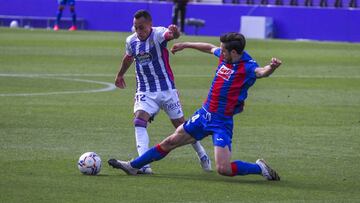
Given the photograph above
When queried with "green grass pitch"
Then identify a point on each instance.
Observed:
(304, 120)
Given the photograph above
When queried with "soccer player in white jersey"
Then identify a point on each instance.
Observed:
(155, 87)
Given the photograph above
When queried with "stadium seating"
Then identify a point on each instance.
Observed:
(197, 23)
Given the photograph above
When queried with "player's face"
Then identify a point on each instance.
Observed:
(142, 28)
(225, 53)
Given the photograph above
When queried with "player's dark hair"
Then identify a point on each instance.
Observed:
(233, 41)
(143, 13)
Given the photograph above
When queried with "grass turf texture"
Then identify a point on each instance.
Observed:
(304, 120)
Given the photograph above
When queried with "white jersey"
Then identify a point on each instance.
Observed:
(153, 71)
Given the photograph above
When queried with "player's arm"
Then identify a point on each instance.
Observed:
(266, 71)
(172, 33)
(125, 64)
(201, 46)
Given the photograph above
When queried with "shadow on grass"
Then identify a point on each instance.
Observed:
(213, 177)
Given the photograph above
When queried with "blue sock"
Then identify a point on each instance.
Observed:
(153, 154)
(73, 15)
(244, 168)
(58, 17)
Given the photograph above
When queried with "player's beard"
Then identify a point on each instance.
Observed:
(228, 59)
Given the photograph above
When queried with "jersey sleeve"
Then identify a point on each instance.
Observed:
(217, 52)
(128, 49)
(250, 69)
(159, 33)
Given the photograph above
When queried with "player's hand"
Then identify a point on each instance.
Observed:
(275, 63)
(120, 82)
(174, 30)
(177, 47)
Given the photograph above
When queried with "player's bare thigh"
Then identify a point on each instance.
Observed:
(177, 139)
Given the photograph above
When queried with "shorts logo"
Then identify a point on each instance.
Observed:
(224, 72)
(172, 106)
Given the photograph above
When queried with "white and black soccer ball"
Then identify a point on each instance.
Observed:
(89, 163)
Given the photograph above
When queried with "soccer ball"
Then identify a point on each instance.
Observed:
(89, 163)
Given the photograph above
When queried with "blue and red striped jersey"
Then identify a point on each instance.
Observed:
(229, 88)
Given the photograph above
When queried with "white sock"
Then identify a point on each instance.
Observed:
(142, 141)
(199, 149)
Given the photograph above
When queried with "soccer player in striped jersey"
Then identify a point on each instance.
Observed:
(235, 74)
(155, 85)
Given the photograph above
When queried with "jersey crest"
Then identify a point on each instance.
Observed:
(143, 58)
(224, 72)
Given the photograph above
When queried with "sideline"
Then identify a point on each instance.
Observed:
(108, 86)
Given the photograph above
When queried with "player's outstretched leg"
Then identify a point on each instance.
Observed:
(267, 171)
(132, 167)
(203, 157)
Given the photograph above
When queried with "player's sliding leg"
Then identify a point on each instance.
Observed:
(158, 152)
(242, 168)
(133, 167)
(260, 167)
(238, 167)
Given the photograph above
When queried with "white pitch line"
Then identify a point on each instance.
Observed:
(109, 86)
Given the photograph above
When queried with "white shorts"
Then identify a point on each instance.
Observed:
(152, 102)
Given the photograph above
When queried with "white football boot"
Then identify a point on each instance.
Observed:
(123, 165)
(205, 163)
(267, 172)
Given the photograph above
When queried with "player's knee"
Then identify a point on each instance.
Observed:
(177, 122)
(138, 122)
(223, 170)
(166, 146)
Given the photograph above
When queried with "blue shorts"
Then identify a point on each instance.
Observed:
(203, 123)
(67, 2)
